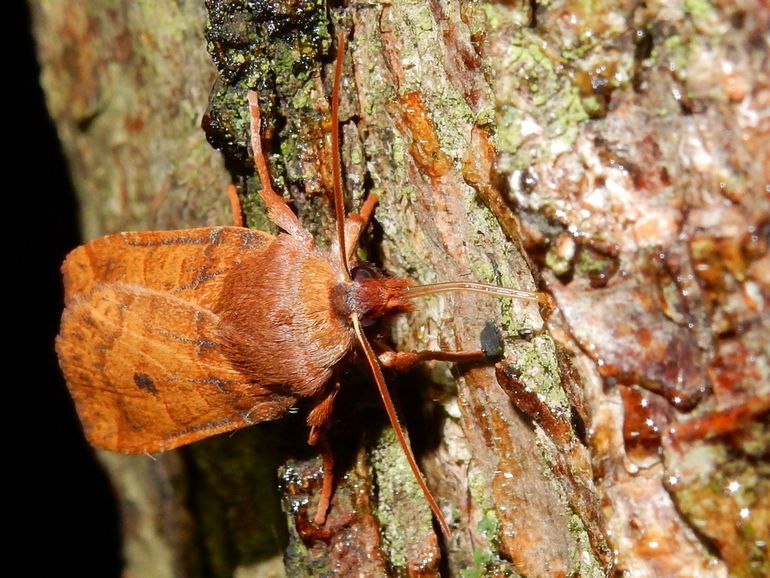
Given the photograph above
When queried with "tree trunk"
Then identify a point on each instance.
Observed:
(624, 145)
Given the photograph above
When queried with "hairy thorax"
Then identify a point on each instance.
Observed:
(278, 323)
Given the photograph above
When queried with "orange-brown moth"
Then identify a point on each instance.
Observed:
(171, 337)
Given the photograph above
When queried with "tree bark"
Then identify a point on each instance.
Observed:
(598, 137)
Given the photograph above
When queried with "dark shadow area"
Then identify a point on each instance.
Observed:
(63, 519)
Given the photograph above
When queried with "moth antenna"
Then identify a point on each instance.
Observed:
(339, 201)
(382, 387)
(506, 292)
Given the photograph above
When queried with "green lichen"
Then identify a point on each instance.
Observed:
(489, 525)
(455, 113)
(590, 262)
(304, 97)
(254, 211)
(584, 560)
(293, 67)
(484, 116)
(484, 556)
(379, 91)
(405, 255)
(398, 498)
(676, 50)
(508, 136)
(700, 9)
(535, 362)
(478, 487)
(557, 263)
(486, 564)
(533, 64)
(497, 16)
(489, 264)
(357, 156)
(424, 72)
(482, 269)
(419, 17)
(545, 96)
(538, 81)
(481, 562)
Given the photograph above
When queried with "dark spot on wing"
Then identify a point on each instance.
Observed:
(145, 383)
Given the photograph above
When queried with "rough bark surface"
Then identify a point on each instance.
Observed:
(624, 144)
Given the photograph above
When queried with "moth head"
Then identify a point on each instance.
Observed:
(371, 295)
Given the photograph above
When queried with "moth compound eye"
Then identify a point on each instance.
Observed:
(368, 321)
(365, 271)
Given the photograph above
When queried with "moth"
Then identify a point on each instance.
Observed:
(169, 337)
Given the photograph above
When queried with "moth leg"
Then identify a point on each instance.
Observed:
(235, 205)
(321, 414)
(355, 224)
(405, 360)
(277, 209)
(327, 490)
(318, 419)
